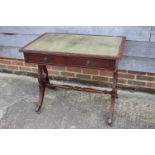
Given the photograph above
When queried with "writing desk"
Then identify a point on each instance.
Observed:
(85, 51)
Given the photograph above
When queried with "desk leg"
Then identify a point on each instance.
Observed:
(46, 74)
(113, 97)
(42, 79)
(46, 78)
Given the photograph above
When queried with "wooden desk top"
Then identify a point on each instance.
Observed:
(107, 46)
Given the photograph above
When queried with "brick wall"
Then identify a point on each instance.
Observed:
(127, 79)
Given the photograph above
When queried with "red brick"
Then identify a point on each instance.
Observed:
(139, 83)
(74, 69)
(126, 76)
(83, 76)
(35, 70)
(29, 64)
(122, 81)
(29, 69)
(68, 74)
(151, 74)
(49, 67)
(152, 85)
(111, 79)
(12, 67)
(3, 61)
(106, 73)
(51, 72)
(144, 78)
(62, 68)
(100, 78)
(17, 62)
(3, 66)
(90, 71)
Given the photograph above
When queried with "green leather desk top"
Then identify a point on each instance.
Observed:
(76, 44)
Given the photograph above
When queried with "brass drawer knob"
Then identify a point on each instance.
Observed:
(45, 59)
(88, 62)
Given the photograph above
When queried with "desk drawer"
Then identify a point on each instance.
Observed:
(44, 59)
(98, 63)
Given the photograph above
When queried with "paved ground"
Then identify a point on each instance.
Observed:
(70, 109)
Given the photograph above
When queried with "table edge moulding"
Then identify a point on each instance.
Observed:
(74, 59)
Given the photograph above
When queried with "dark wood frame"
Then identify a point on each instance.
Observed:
(63, 59)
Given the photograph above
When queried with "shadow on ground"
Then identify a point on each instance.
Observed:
(70, 109)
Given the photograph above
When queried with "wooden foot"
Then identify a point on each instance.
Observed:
(37, 109)
(109, 121)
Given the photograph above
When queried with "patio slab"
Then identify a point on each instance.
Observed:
(69, 109)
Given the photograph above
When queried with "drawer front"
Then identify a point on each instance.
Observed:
(108, 64)
(44, 59)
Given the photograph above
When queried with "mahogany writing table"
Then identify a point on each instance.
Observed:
(85, 51)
